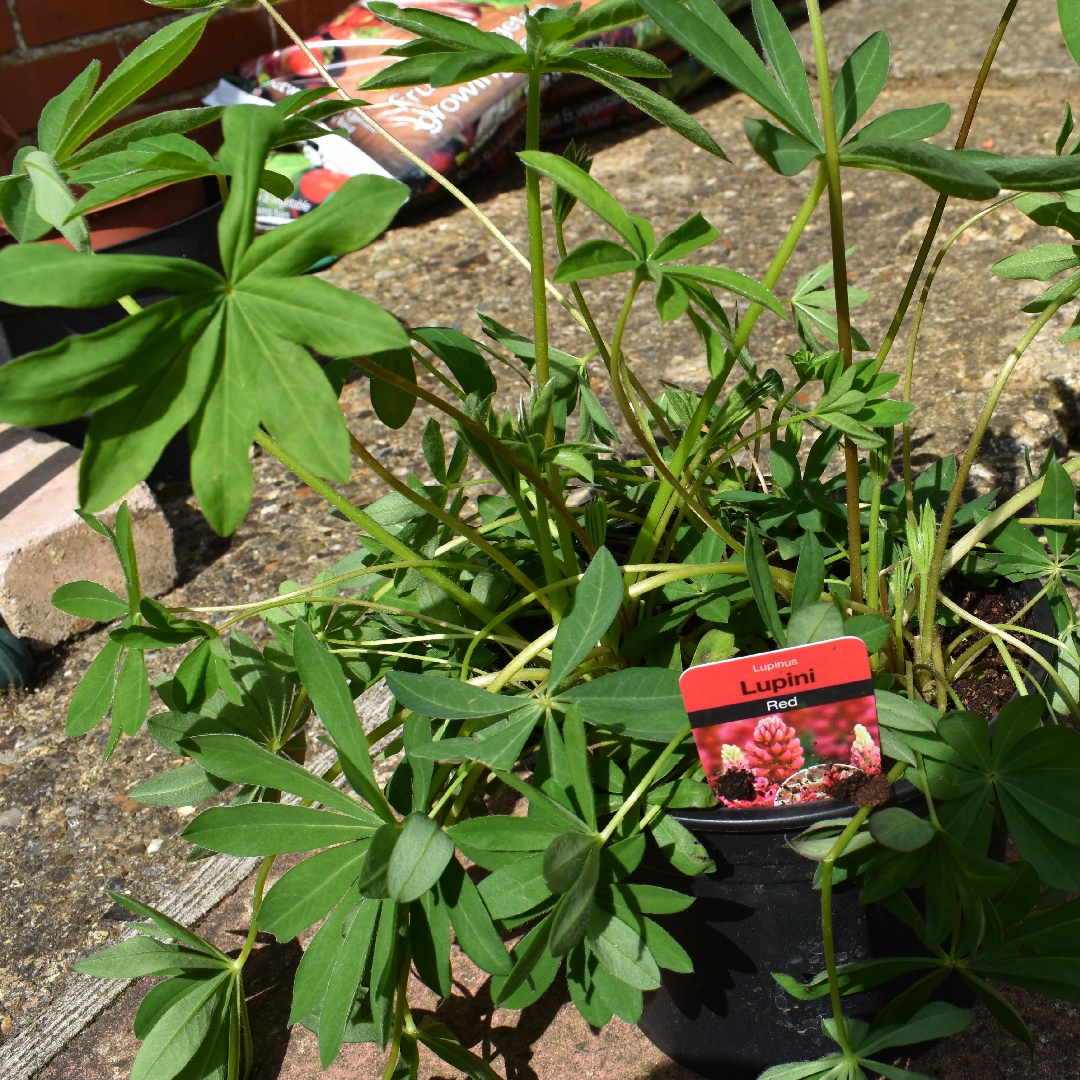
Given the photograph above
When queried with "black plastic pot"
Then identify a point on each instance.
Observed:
(24, 330)
(758, 913)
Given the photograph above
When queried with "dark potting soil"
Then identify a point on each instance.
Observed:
(987, 685)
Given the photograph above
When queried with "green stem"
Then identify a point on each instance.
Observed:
(653, 529)
(933, 578)
(130, 304)
(256, 903)
(643, 784)
(827, 939)
(536, 233)
(999, 516)
(913, 338)
(416, 160)
(939, 206)
(399, 1018)
(840, 282)
(920, 764)
(873, 557)
(357, 516)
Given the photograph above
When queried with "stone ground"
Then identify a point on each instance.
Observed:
(68, 830)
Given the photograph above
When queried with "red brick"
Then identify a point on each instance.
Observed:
(25, 88)
(306, 16)
(226, 43)
(7, 31)
(53, 20)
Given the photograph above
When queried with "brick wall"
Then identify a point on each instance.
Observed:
(46, 43)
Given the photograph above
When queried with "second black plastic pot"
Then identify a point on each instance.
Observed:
(759, 913)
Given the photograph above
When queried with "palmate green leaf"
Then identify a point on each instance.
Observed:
(440, 1041)
(679, 846)
(592, 610)
(145, 66)
(241, 761)
(803, 1070)
(89, 600)
(1028, 173)
(310, 890)
(272, 829)
(942, 170)
(860, 81)
(176, 360)
(640, 703)
(181, 1031)
(874, 630)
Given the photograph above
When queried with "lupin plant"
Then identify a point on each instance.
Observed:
(533, 642)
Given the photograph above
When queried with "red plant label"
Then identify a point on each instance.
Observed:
(795, 725)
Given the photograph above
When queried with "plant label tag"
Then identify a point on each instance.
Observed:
(791, 726)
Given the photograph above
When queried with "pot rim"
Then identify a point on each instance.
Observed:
(800, 816)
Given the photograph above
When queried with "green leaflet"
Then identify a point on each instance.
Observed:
(418, 859)
(186, 785)
(621, 951)
(641, 703)
(181, 1031)
(310, 890)
(238, 759)
(272, 829)
(596, 602)
(447, 699)
(472, 923)
(139, 956)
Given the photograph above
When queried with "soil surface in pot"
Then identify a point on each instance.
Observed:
(989, 684)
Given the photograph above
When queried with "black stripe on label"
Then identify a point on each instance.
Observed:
(792, 699)
(11, 498)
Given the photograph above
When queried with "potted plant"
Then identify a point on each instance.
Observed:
(533, 642)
